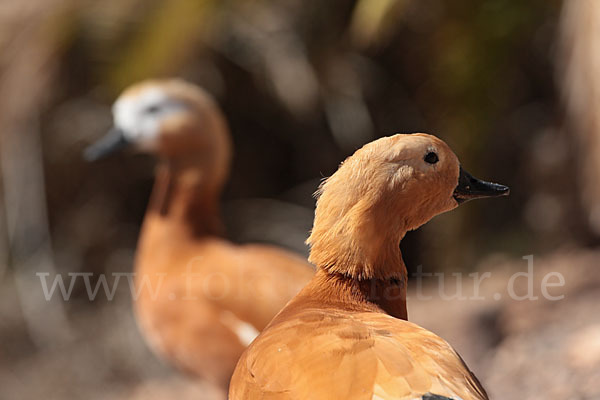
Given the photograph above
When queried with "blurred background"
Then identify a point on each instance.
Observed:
(512, 86)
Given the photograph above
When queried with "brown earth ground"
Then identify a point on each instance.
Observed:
(520, 349)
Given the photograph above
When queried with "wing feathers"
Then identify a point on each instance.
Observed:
(359, 356)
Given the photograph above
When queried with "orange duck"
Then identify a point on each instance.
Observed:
(346, 334)
(202, 299)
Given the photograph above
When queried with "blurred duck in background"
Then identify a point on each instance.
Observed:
(346, 334)
(202, 298)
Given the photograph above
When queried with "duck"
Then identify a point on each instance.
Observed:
(346, 335)
(199, 299)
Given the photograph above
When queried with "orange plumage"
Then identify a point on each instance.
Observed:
(201, 298)
(345, 335)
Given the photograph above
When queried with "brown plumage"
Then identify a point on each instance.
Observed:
(345, 335)
(201, 298)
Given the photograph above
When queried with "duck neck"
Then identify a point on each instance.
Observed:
(362, 244)
(359, 258)
(185, 198)
(367, 295)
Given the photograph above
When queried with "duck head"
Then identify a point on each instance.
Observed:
(386, 188)
(170, 118)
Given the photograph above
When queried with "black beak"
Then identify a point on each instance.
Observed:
(470, 188)
(111, 143)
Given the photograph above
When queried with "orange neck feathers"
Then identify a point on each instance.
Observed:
(355, 245)
(333, 290)
(358, 226)
(359, 261)
(184, 198)
(362, 244)
(194, 150)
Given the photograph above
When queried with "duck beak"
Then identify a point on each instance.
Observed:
(113, 142)
(470, 188)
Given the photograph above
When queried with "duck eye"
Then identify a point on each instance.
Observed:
(431, 158)
(153, 109)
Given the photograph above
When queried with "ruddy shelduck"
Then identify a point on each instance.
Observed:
(202, 299)
(346, 334)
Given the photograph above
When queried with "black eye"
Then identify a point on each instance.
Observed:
(431, 158)
(152, 109)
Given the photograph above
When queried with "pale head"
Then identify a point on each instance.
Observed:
(141, 110)
(386, 188)
(170, 118)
